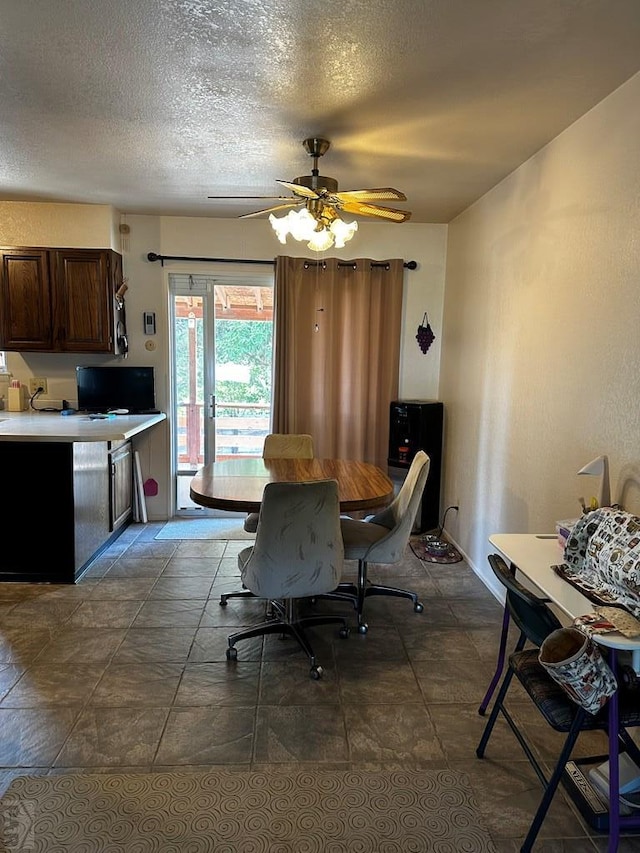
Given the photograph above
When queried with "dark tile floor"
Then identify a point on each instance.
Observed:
(126, 670)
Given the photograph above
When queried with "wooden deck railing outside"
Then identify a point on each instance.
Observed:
(240, 431)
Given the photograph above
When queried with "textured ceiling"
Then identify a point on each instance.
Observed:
(153, 105)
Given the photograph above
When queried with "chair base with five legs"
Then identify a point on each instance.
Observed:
(285, 622)
(356, 593)
(383, 538)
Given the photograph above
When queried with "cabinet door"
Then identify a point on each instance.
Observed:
(83, 297)
(25, 300)
(120, 485)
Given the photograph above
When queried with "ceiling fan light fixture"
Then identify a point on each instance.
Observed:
(318, 203)
(312, 228)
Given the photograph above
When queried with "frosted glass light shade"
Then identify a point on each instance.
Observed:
(342, 231)
(321, 240)
(281, 226)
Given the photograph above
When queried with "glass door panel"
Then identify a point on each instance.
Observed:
(242, 383)
(191, 431)
(223, 339)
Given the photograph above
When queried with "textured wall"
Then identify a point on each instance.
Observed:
(541, 363)
(73, 226)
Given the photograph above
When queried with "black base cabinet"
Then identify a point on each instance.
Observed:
(54, 506)
(418, 425)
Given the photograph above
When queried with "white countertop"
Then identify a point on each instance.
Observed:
(52, 426)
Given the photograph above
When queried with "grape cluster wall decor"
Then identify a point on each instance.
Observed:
(425, 336)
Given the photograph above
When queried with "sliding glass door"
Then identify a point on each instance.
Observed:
(222, 371)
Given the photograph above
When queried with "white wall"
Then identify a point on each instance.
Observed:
(541, 362)
(218, 238)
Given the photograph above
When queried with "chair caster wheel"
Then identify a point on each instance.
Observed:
(316, 673)
(232, 653)
(418, 607)
(363, 628)
(343, 633)
(629, 677)
(223, 602)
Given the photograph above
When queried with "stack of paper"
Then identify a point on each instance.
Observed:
(629, 777)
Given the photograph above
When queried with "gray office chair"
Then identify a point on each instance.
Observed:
(279, 445)
(298, 553)
(383, 538)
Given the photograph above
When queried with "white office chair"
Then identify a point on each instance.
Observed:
(383, 538)
(279, 445)
(298, 553)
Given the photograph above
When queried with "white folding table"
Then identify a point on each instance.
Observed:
(533, 555)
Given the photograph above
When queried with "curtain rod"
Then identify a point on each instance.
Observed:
(152, 256)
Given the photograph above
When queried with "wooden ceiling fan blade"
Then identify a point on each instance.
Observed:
(362, 209)
(375, 194)
(271, 209)
(299, 189)
(248, 197)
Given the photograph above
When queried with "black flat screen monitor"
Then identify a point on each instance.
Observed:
(101, 389)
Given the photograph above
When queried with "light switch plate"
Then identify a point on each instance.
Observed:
(149, 321)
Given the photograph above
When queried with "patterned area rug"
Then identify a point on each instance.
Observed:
(204, 528)
(252, 812)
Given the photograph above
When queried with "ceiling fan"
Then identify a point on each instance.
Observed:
(319, 196)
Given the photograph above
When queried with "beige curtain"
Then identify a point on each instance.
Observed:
(337, 353)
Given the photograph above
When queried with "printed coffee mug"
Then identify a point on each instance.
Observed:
(576, 663)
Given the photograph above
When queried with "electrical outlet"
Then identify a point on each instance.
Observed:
(37, 382)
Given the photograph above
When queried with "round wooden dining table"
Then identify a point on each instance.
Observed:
(237, 484)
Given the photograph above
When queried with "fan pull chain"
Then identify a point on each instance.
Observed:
(319, 265)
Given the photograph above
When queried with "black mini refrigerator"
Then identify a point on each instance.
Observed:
(417, 425)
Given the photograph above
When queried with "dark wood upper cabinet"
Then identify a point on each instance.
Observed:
(25, 300)
(61, 300)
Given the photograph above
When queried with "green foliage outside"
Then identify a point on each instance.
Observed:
(246, 342)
